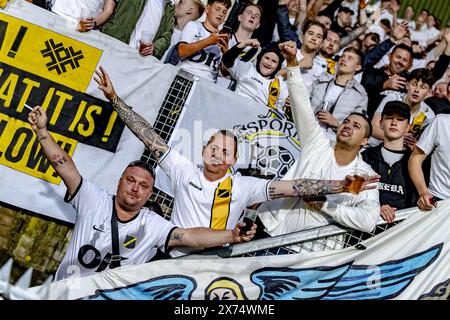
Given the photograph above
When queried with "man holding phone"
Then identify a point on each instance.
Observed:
(201, 45)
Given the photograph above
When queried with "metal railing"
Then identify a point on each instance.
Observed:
(324, 238)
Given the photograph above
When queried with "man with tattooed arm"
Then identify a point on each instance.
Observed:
(209, 196)
(138, 230)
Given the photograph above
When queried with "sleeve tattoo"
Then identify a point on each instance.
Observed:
(141, 128)
(307, 187)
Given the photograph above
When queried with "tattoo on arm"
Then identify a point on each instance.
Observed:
(58, 160)
(307, 187)
(304, 188)
(141, 128)
(177, 236)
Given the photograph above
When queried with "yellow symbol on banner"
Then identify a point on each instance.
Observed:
(20, 150)
(3, 3)
(46, 53)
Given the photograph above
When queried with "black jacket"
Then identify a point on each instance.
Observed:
(373, 80)
(396, 188)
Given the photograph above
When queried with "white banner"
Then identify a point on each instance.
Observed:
(45, 61)
(267, 140)
(408, 261)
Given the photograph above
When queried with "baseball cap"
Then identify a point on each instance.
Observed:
(347, 10)
(397, 107)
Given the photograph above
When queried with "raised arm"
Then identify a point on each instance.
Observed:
(59, 159)
(311, 187)
(137, 124)
(206, 237)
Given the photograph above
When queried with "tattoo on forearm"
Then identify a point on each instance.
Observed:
(58, 160)
(176, 236)
(141, 128)
(308, 187)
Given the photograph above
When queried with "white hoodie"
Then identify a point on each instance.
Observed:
(317, 158)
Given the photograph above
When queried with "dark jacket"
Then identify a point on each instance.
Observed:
(285, 29)
(373, 80)
(396, 188)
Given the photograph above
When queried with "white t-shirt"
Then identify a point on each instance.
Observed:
(420, 36)
(72, 9)
(252, 84)
(317, 159)
(318, 69)
(91, 239)
(204, 63)
(436, 139)
(194, 194)
(149, 21)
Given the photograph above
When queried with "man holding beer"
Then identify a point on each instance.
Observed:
(354, 209)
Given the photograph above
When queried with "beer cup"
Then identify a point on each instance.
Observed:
(146, 40)
(360, 177)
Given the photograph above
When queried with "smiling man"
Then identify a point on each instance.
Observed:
(318, 159)
(209, 196)
(259, 82)
(114, 230)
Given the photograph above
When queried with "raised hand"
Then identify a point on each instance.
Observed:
(289, 51)
(105, 84)
(37, 119)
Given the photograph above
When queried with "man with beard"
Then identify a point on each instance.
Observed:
(393, 77)
(210, 196)
(318, 158)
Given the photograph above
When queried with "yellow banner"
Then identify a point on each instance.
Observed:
(3, 3)
(20, 150)
(46, 53)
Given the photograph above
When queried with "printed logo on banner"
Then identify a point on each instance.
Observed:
(61, 57)
(273, 142)
(42, 67)
(46, 53)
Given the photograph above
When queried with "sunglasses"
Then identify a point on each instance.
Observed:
(143, 165)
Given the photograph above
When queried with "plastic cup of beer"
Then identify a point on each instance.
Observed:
(248, 218)
(363, 4)
(360, 176)
(146, 40)
(85, 13)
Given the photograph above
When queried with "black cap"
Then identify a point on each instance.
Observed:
(397, 107)
(347, 10)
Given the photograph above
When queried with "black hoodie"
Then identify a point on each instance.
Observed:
(396, 187)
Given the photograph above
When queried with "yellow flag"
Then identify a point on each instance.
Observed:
(46, 53)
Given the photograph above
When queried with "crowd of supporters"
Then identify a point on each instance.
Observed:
(355, 57)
